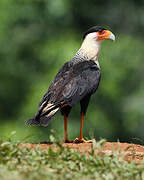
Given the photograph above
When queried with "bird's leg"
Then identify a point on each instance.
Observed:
(81, 129)
(65, 130)
(80, 139)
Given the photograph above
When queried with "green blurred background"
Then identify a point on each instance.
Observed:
(38, 36)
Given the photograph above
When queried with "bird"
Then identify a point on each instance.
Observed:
(75, 82)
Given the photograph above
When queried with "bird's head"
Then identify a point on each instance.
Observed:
(92, 41)
(98, 33)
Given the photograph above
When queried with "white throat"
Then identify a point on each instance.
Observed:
(90, 47)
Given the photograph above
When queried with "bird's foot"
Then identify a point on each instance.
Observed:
(81, 140)
(68, 141)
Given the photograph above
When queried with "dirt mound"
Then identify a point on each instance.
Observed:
(131, 152)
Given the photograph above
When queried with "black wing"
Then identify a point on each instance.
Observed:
(73, 82)
(85, 80)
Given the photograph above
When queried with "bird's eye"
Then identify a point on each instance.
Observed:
(100, 30)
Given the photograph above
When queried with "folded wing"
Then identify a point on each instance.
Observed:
(71, 84)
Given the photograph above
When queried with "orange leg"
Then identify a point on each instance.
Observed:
(81, 129)
(81, 139)
(65, 130)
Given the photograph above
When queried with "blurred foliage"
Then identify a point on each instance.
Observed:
(37, 37)
(62, 163)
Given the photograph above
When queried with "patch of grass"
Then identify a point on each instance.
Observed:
(17, 162)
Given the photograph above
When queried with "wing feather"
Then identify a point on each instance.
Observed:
(72, 83)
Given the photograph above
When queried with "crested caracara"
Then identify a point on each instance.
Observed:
(75, 82)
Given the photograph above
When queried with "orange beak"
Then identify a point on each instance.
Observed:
(105, 34)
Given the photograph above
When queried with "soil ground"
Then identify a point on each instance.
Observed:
(130, 152)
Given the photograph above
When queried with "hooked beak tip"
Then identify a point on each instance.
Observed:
(112, 37)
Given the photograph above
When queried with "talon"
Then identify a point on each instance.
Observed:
(82, 140)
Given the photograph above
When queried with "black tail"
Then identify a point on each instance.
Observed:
(43, 117)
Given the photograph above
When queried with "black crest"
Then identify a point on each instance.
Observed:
(93, 29)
